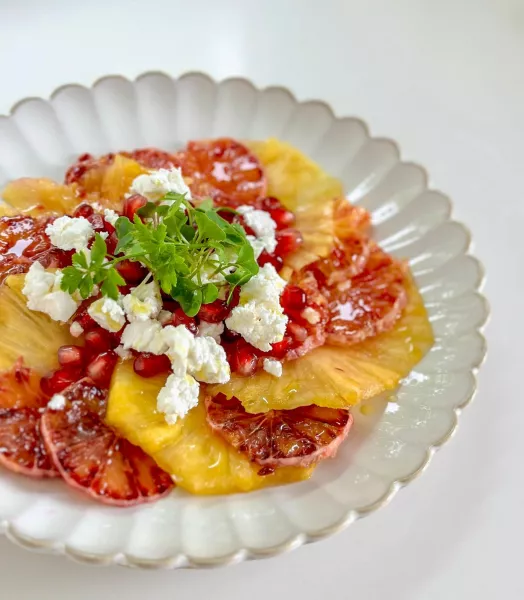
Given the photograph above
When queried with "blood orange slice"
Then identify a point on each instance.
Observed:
(279, 438)
(369, 303)
(92, 458)
(223, 169)
(22, 448)
(350, 219)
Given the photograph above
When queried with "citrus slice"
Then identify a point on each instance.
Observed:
(22, 448)
(350, 219)
(339, 377)
(278, 438)
(200, 461)
(368, 304)
(303, 187)
(26, 333)
(92, 458)
(224, 170)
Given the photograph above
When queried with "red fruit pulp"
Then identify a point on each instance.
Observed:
(97, 341)
(215, 312)
(101, 368)
(180, 318)
(293, 298)
(57, 381)
(272, 259)
(132, 204)
(243, 359)
(84, 210)
(71, 357)
(282, 217)
(149, 365)
(288, 240)
(132, 272)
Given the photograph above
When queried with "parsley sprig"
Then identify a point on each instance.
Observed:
(191, 251)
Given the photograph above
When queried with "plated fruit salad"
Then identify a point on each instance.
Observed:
(206, 319)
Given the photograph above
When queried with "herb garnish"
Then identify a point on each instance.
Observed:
(190, 251)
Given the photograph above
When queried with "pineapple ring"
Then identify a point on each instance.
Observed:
(199, 460)
(340, 377)
(303, 187)
(26, 333)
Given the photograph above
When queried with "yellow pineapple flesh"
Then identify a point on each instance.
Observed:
(303, 187)
(26, 333)
(339, 377)
(38, 196)
(198, 459)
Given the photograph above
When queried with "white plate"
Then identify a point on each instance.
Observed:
(386, 449)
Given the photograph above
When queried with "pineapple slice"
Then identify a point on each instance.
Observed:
(341, 377)
(116, 180)
(26, 333)
(303, 187)
(200, 461)
(38, 196)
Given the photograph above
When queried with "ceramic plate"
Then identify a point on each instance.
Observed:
(389, 445)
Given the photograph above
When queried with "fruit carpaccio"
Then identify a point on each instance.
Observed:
(356, 326)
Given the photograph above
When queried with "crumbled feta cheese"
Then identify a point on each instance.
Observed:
(70, 233)
(259, 317)
(265, 286)
(157, 184)
(257, 324)
(43, 293)
(122, 352)
(165, 316)
(110, 216)
(143, 302)
(178, 396)
(144, 336)
(263, 227)
(178, 341)
(212, 330)
(108, 313)
(57, 402)
(311, 315)
(273, 367)
(104, 235)
(207, 361)
(76, 330)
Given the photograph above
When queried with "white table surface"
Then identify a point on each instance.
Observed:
(446, 80)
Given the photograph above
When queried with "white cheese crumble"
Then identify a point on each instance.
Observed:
(43, 293)
(264, 228)
(144, 336)
(178, 396)
(207, 361)
(178, 341)
(212, 330)
(143, 302)
(76, 330)
(311, 315)
(108, 313)
(57, 402)
(70, 233)
(157, 184)
(110, 216)
(259, 317)
(165, 316)
(273, 367)
(123, 353)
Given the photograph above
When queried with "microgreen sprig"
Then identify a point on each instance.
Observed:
(191, 252)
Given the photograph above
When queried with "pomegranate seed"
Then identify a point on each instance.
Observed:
(38, 245)
(83, 318)
(215, 312)
(97, 341)
(101, 368)
(180, 318)
(132, 272)
(149, 365)
(109, 228)
(270, 203)
(293, 298)
(235, 298)
(71, 357)
(57, 381)
(230, 336)
(132, 204)
(85, 157)
(97, 222)
(282, 217)
(288, 241)
(111, 243)
(243, 360)
(297, 331)
(272, 259)
(84, 210)
(280, 349)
